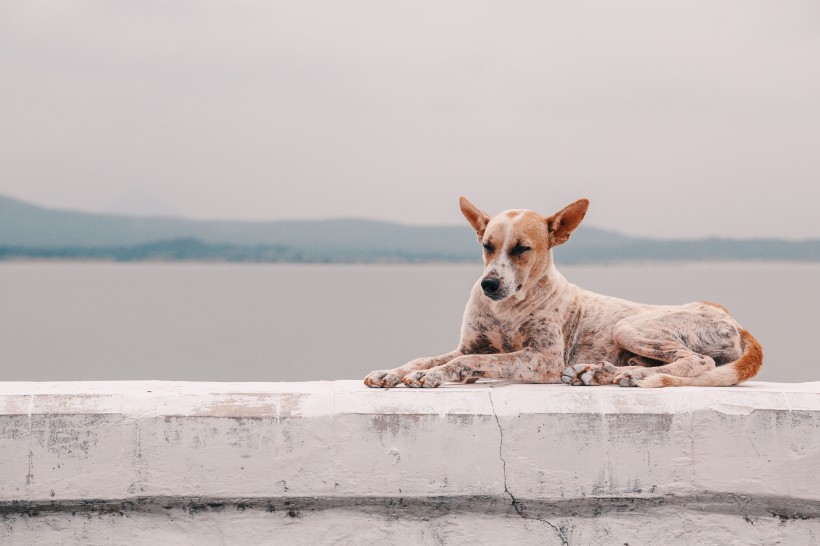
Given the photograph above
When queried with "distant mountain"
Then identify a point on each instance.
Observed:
(26, 225)
(29, 231)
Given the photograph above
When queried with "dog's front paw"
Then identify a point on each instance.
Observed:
(630, 378)
(382, 379)
(423, 378)
(589, 374)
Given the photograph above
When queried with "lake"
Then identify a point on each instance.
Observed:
(273, 322)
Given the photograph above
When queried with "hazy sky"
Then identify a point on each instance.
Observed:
(676, 118)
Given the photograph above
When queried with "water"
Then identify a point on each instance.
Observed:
(239, 322)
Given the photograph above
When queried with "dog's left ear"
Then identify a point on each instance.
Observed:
(563, 223)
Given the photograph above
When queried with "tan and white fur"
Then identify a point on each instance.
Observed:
(526, 323)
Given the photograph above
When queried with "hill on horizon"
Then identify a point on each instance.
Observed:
(32, 231)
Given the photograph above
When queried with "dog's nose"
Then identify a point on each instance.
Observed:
(490, 285)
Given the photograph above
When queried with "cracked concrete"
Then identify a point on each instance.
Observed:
(518, 508)
(501, 455)
(461, 463)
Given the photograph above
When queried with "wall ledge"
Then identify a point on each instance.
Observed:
(582, 461)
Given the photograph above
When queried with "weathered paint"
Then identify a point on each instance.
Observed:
(141, 462)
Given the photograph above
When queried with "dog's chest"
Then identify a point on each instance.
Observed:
(488, 335)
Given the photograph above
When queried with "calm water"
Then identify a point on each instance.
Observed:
(231, 322)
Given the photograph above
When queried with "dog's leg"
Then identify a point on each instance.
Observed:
(391, 378)
(602, 373)
(526, 366)
(663, 346)
(689, 365)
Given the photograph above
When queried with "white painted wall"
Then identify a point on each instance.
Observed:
(322, 462)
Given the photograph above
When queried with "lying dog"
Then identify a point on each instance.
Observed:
(526, 323)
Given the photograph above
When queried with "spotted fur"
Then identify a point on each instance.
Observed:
(526, 323)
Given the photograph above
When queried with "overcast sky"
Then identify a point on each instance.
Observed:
(676, 118)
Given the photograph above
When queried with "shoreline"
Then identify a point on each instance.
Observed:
(420, 263)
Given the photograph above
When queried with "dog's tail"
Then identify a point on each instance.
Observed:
(732, 373)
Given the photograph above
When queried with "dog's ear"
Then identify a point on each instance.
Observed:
(563, 223)
(477, 218)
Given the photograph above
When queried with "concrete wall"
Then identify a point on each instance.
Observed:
(334, 462)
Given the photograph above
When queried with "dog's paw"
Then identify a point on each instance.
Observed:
(382, 379)
(423, 378)
(630, 378)
(589, 374)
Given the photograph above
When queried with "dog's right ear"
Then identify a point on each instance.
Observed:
(477, 218)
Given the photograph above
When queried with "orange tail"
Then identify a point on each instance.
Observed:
(732, 373)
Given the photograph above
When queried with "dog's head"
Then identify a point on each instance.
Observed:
(517, 244)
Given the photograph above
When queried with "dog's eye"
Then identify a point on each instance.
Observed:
(519, 249)
(489, 248)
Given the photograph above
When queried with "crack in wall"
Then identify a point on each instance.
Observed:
(692, 460)
(519, 508)
(30, 476)
(515, 503)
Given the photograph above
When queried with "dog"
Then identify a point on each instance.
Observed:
(526, 323)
